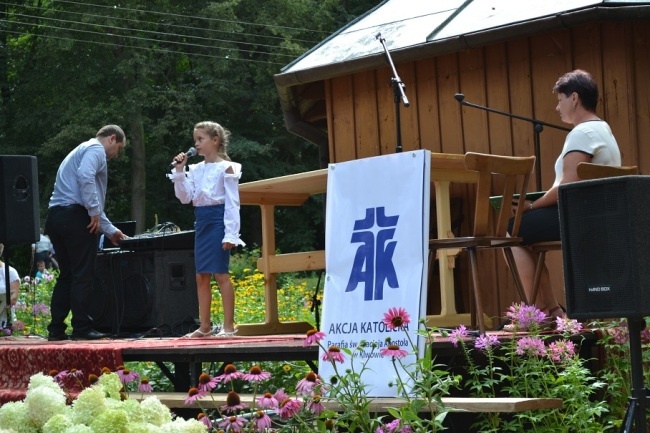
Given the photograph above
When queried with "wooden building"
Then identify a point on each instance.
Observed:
(505, 55)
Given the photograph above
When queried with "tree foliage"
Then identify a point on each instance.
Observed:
(156, 68)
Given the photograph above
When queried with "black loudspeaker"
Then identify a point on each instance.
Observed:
(605, 231)
(146, 291)
(19, 210)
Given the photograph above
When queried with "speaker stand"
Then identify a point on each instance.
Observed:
(638, 401)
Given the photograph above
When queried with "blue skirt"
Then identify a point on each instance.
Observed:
(209, 255)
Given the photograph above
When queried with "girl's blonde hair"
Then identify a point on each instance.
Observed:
(215, 130)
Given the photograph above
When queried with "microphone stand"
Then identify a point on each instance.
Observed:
(538, 127)
(398, 93)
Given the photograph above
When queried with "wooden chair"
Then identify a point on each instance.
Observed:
(586, 171)
(513, 173)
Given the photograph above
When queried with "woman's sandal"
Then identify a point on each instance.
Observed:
(198, 334)
(225, 334)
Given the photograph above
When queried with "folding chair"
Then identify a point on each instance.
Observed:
(513, 173)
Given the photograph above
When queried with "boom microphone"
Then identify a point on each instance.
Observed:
(190, 152)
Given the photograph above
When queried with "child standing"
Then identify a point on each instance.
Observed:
(212, 187)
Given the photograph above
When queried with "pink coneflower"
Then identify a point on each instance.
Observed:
(192, 395)
(396, 318)
(561, 350)
(205, 420)
(393, 350)
(262, 421)
(280, 395)
(255, 374)
(145, 386)
(531, 347)
(267, 401)
(233, 403)
(306, 385)
(27, 279)
(458, 335)
(486, 342)
(93, 379)
(126, 375)
(233, 423)
(315, 406)
(313, 336)
(289, 407)
(229, 373)
(207, 383)
(333, 354)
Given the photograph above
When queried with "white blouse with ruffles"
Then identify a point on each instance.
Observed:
(208, 184)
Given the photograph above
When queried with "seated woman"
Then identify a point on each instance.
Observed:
(591, 140)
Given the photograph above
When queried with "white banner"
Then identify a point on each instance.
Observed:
(376, 247)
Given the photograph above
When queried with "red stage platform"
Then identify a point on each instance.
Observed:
(22, 357)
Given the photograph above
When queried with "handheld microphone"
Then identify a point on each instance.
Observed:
(190, 152)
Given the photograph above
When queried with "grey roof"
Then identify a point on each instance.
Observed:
(409, 24)
(419, 29)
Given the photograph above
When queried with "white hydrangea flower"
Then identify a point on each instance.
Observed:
(79, 428)
(111, 420)
(111, 385)
(14, 416)
(40, 380)
(43, 403)
(57, 424)
(155, 412)
(88, 405)
(180, 425)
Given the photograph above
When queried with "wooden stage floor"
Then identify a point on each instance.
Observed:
(22, 357)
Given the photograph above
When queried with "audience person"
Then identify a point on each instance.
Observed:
(74, 220)
(14, 289)
(591, 140)
(212, 187)
(41, 270)
(42, 250)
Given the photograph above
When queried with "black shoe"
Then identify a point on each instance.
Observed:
(58, 337)
(89, 335)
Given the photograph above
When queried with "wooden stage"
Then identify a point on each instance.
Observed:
(22, 357)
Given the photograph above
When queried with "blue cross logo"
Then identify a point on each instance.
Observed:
(375, 252)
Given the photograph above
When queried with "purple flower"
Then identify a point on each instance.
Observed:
(313, 336)
(256, 374)
(233, 403)
(307, 385)
(561, 350)
(525, 316)
(233, 423)
(267, 401)
(333, 354)
(145, 386)
(393, 350)
(192, 395)
(289, 407)
(262, 421)
(396, 318)
(203, 418)
(126, 375)
(458, 335)
(280, 395)
(531, 346)
(207, 383)
(486, 342)
(229, 373)
(315, 406)
(569, 326)
(393, 427)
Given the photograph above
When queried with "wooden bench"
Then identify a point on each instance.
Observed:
(176, 400)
